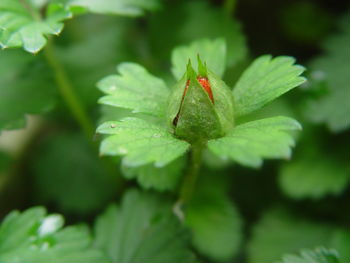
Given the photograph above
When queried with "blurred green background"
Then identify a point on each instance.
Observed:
(298, 202)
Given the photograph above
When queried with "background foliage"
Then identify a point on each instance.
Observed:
(59, 65)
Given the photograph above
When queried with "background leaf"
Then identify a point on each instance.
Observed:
(314, 176)
(22, 24)
(341, 242)
(114, 7)
(279, 232)
(211, 52)
(194, 20)
(79, 183)
(321, 255)
(25, 88)
(331, 68)
(158, 178)
(215, 222)
(33, 236)
(142, 229)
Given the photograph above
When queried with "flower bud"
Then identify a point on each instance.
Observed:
(201, 106)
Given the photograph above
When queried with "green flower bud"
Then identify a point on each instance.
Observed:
(201, 106)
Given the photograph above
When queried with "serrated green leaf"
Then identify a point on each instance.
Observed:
(333, 108)
(21, 24)
(35, 237)
(279, 232)
(109, 113)
(159, 178)
(263, 81)
(212, 52)
(141, 142)
(215, 224)
(115, 7)
(314, 176)
(135, 89)
(25, 88)
(80, 171)
(142, 229)
(250, 142)
(318, 255)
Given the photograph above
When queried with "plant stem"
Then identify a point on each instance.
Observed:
(67, 92)
(190, 180)
(191, 177)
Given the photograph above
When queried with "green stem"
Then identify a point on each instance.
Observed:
(67, 92)
(191, 177)
(190, 180)
(229, 6)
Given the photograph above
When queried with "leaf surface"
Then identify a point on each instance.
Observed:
(314, 176)
(142, 229)
(318, 255)
(141, 142)
(134, 88)
(25, 88)
(21, 24)
(341, 242)
(264, 80)
(35, 237)
(115, 7)
(279, 232)
(79, 183)
(215, 223)
(158, 178)
(331, 69)
(250, 142)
